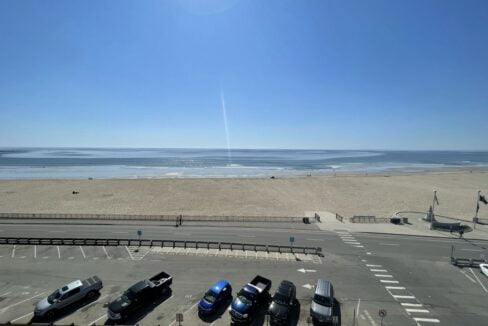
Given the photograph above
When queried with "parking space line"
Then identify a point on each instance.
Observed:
(13, 252)
(82, 252)
(403, 296)
(389, 281)
(21, 317)
(426, 320)
(59, 252)
(25, 300)
(371, 320)
(482, 285)
(467, 276)
(411, 304)
(425, 311)
(102, 316)
(106, 253)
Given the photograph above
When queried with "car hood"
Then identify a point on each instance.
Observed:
(320, 310)
(118, 305)
(42, 305)
(278, 311)
(240, 306)
(204, 304)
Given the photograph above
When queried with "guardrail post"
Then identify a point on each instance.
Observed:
(185, 244)
(220, 248)
(267, 249)
(255, 249)
(208, 245)
(279, 249)
(231, 246)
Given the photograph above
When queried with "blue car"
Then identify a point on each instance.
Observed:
(218, 293)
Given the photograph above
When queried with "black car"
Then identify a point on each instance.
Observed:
(282, 304)
(139, 295)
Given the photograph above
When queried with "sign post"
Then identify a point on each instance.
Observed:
(179, 318)
(292, 239)
(382, 314)
(139, 235)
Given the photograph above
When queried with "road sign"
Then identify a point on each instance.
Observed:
(292, 239)
(139, 232)
(382, 313)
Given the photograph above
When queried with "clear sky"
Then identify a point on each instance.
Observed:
(292, 74)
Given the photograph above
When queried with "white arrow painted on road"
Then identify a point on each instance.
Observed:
(308, 286)
(303, 270)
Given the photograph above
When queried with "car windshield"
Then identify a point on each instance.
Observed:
(246, 297)
(55, 295)
(210, 296)
(321, 300)
(280, 299)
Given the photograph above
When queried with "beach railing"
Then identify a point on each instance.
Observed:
(160, 243)
(161, 218)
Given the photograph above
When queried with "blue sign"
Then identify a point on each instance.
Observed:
(139, 232)
(292, 239)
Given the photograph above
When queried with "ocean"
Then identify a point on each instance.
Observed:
(104, 163)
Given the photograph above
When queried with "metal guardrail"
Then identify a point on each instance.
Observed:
(158, 243)
(161, 218)
(466, 262)
(369, 219)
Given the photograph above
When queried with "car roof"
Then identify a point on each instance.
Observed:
(285, 287)
(217, 287)
(323, 288)
(138, 286)
(71, 286)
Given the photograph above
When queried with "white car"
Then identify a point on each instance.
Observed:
(484, 269)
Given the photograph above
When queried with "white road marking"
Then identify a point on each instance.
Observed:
(403, 296)
(370, 265)
(383, 275)
(379, 270)
(246, 236)
(482, 285)
(55, 231)
(314, 239)
(130, 255)
(412, 304)
(35, 251)
(395, 287)
(358, 246)
(371, 320)
(191, 308)
(389, 281)
(82, 252)
(120, 232)
(467, 276)
(20, 302)
(388, 244)
(471, 249)
(13, 252)
(21, 317)
(368, 253)
(425, 311)
(6, 293)
(357, 309)
(106, 253)
(427, 320)
(59, 252)
(93, 322)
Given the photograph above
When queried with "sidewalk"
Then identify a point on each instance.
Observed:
(417, 226)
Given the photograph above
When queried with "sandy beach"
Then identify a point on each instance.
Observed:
(347, 195)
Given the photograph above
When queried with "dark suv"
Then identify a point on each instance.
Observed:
(282, 304)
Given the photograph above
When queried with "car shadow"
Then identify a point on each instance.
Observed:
(62, 313)
(217, 313)
(294, 314)
(142, 312)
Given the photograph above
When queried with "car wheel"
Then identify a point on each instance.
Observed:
(50, 314)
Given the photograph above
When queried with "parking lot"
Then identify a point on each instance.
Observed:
(29, 273)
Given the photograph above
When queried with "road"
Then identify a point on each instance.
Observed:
(408, 276)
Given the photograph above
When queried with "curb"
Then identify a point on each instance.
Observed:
(424, 236)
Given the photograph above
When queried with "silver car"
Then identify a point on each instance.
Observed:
(322, 307)
(67, 295)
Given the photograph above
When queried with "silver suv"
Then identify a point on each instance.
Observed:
(322, 307)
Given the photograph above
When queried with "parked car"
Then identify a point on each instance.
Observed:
(322, 307)
(138, 295)
(219, 292)
(68, 295)
(282, 304)
(249, 299)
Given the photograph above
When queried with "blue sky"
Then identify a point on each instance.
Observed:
(294, 74)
